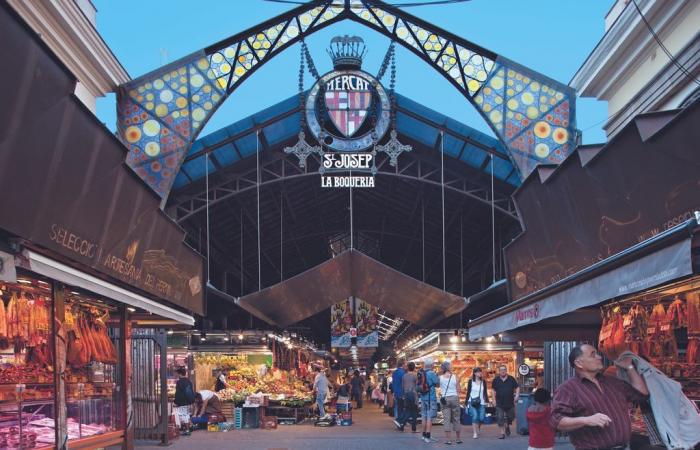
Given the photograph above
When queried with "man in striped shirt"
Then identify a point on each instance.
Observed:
(595, 408)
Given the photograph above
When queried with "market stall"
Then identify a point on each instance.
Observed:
(33, 400)
(663, 326)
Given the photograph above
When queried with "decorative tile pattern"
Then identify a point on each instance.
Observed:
(160, 114)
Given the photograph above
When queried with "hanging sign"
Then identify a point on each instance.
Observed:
(348, 112)
(524, 370)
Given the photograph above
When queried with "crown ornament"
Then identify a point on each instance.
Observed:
(347, 52)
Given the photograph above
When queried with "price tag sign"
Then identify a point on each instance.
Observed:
(524, 370)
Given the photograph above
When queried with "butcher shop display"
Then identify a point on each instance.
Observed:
(664, 329)
(27, 362)
(88, 340)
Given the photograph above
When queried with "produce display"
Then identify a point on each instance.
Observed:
(245, 379)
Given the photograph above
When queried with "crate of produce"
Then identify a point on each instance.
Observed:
(340, 407)
(269, 423)
(238, 418)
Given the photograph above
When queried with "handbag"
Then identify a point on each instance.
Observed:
(443, 400)
(476, 401)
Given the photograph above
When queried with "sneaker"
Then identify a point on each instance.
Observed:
(503, 436)
(448, 442)
(458, 441)
(476, 436)
(426, 439)
(398, 425)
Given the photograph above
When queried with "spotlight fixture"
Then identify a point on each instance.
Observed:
(226, 338)
(130, 309)
(202, 336)
(170, 331)
(240, 337)
(453, 339)
(464, 339)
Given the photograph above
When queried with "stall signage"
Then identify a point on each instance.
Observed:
(527, 315)
(524, 370)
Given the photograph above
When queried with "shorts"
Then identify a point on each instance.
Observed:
(182, 415)
(478, 414)
(428, 408)
(505, 415)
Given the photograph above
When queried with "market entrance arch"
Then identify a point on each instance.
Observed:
(161, 113)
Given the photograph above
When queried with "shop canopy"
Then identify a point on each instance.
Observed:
(664, 258)
(352, 273)
(601, 224)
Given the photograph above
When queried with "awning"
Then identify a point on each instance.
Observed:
(656, 261)
(73, 277)
(352, 273)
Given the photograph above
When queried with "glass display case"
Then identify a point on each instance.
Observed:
(92, 388)
(29, 404)
(27, 394)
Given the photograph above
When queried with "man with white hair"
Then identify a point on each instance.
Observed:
(427, 380)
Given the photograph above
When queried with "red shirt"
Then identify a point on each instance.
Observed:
(579, 397)
(541, 434)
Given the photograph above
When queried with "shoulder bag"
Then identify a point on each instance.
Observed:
(443, 400)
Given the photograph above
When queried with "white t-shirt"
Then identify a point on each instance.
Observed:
(448, 388)
(206, 395)
(478, 390)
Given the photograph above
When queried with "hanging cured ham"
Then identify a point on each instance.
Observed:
(693, 313)
(4, 341)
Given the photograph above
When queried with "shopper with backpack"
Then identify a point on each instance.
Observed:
(427, 380)
(184, 398)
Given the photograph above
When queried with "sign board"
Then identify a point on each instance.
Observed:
(524, 370)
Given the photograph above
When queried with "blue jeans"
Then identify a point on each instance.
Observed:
(478, 414)
(319, 401)
(398, 407)
(410, 410)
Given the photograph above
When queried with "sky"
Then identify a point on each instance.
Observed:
(553, 37)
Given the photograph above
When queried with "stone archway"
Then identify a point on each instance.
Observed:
(161, 113)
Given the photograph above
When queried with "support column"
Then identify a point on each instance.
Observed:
(59, 374)
(126, 378)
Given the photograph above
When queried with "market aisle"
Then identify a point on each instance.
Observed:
(370, 430)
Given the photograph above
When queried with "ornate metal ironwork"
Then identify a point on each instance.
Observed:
(303, 150)
(161, 113)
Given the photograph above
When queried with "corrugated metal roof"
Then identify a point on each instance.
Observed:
(281, 123)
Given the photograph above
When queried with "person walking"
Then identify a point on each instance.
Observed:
(594, 409)
(449, 399)
(410, 399)
(320, 391)
(507, 392)
(477, 399)
(427, 380)
(184, 398)
(357, 384)
(397, 388)
(538, 415)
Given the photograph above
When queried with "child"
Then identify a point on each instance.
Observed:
(541, 435)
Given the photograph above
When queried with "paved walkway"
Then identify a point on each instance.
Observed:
(370, 430)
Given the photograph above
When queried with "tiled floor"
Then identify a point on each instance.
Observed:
(370, 430)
